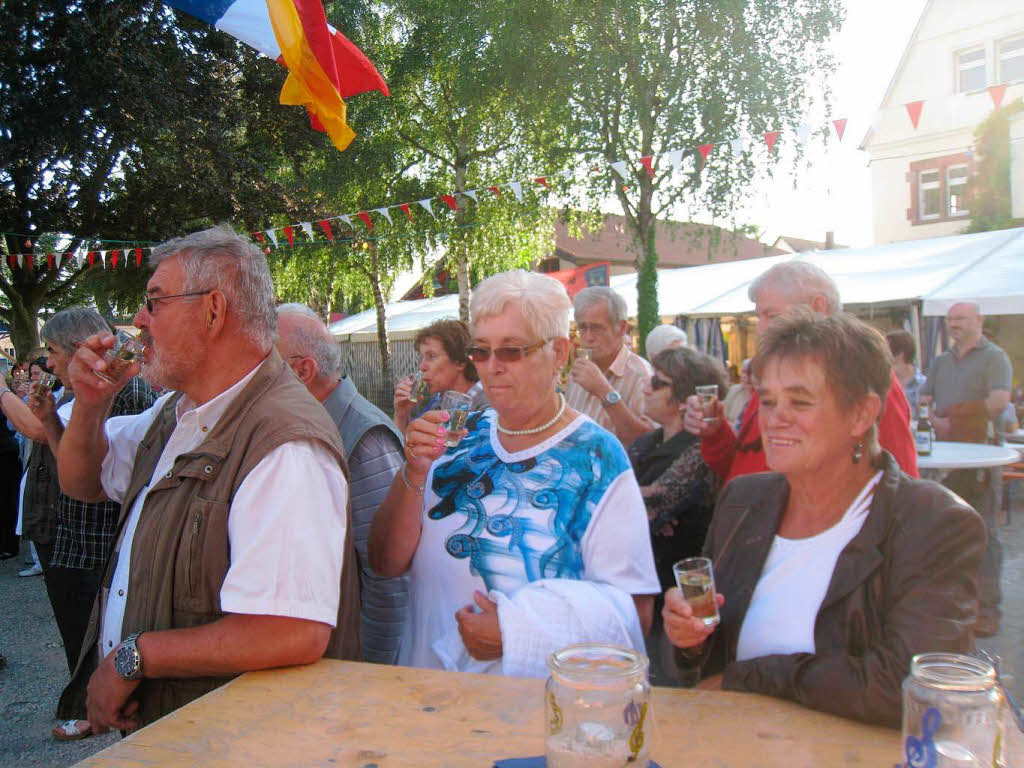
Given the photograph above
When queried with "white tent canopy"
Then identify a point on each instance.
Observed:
(987, 267)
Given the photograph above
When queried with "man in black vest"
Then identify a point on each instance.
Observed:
(373, 449)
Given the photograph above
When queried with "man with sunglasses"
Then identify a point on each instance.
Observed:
(233, 551)
(609, 387)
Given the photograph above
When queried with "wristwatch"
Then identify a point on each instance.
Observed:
(611, 399)
(128, 661)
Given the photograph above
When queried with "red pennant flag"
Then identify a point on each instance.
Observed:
(449, 200)
(28, 261)
(138, 257)
(92, 258)
(914, 111)
(365, 216)
(647, 162)
(290, 234)
(997, 92)
(770, 138)
(64, 257)
(11, 260)
(840, 125)
(258, 236)
(405, 210)
(542, 180)
(496, 191)
(114, 256)
(325, 225)
(49, 261)
(704, 149)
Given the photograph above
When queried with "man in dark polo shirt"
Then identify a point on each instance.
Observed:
(968, 387)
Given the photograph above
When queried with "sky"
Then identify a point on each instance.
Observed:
(834, 193)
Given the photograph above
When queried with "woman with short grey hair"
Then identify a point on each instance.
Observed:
(535, 497)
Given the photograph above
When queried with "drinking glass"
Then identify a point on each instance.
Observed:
(419, 388)
(19, 382)
(45, 383)
(457, 405)
(696, 581)
(708, 395)
(584, 353)
(127, 350)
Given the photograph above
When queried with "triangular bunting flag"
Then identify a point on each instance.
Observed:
(517, 190)
(542, 181)
(11, 260)
(347, 219)
(997, 92)
(307, 227)
(425, 202)
(705, 150)
(840, 126)
(449, 200)
(272, 236)
(365, 216)
(383, 212)
(470, 193)
(258, 236)
(914, 112)
(619, 166)
(49, 261)
(496, 191)
(138, 257)
(28, 261)
(406, 209)
(675, 157)
(770, 138)
(648, 164)
(114, 256)
(738, 146)
(803, 133)
(290, 234)
(325, 225)
(103, 259)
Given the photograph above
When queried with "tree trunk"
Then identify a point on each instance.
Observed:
(461, 257)
(382, 334)
(648, 315)
(24, 329)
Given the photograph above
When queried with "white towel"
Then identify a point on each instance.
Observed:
(544, 616)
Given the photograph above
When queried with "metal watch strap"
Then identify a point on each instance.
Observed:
(611, 399)
(128, 661)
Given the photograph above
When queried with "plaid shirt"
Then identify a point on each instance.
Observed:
(85, 530)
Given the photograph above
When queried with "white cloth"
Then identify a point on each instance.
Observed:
(543, 617)
(567, 509)
(793, 584)
(285, 556)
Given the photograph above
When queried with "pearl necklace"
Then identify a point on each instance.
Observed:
(535, 430)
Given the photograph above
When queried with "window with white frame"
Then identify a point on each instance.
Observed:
(929, 195)
(956, 190)
(1011, 59)
(970, 70)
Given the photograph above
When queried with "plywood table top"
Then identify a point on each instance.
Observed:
(337, 713)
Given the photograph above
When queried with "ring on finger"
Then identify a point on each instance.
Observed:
(412, 451)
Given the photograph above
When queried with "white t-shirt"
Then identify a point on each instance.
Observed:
(286, 524)
(567, 508)
(793, 584)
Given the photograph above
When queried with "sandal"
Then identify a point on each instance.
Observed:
(71, 730)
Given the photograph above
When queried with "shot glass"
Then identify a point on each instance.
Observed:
(708, 396)
(584, 353)
(43, 385)
(419, 390)
(457, 405)
(19, 382)
(127, 349)
(696, 581)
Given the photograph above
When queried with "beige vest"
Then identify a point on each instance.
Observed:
(180, 552)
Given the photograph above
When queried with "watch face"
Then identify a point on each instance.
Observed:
(127, 661)
(612, 397)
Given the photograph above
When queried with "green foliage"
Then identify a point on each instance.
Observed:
(988, 190)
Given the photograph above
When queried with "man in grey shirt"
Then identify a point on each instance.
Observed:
(968, 387)
(373, 449)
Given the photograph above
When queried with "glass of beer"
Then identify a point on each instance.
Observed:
(457, 405)
(696, 581)
(127, 350)
(708, 396)
(44, 384)
(419, 389)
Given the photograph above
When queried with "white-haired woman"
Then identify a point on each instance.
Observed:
(536, 497)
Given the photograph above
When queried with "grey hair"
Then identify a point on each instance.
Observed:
(219, 258)
(661, 338)
(542, 300)
(69, 327)
(598, 294)
(313, 339)
(800, 281)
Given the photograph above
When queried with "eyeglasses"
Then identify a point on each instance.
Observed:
(657, 383)
(151, 300)
(503, 354)
(589, 328)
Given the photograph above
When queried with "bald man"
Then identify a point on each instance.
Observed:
(373, 449)
(968, 387)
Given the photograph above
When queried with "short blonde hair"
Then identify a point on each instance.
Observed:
(542, 300)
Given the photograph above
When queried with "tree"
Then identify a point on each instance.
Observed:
(988, 190)
(645, 77)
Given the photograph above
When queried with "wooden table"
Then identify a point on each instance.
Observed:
(347, 714)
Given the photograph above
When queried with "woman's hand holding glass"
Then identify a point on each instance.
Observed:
(684, 629)
(696, 420)
(424, 443)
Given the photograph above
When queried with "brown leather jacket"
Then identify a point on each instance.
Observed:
(906, 584)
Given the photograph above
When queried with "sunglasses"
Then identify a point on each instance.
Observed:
(150, 301)
(503, 354)
(657, 383)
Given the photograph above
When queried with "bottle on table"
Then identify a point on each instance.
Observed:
(924, 434)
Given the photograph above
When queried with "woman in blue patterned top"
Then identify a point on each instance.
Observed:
(534, 492)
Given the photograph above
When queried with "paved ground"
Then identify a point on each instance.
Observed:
(36, 670)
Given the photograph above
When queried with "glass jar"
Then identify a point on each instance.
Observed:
(952, 713)
(597, 707)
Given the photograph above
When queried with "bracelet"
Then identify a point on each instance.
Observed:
(409, 484)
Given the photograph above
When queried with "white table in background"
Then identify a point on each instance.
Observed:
(946, 456)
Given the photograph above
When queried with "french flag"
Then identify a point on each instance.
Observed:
(324, 67)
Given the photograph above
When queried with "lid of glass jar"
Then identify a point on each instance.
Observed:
(952, 671)
(596, 663)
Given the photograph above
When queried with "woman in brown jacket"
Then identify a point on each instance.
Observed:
(836, 568)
